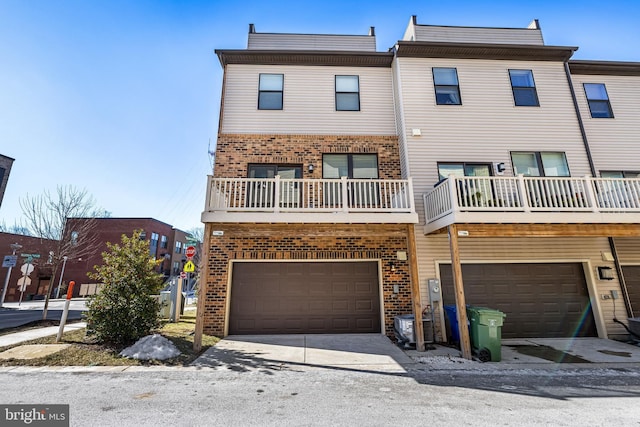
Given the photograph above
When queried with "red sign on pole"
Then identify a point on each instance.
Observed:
(190, 252)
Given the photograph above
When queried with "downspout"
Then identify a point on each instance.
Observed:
(612, 243)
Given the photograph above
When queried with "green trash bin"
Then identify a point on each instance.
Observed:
(486, 332)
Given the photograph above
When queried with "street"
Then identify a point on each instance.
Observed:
(14, 314)
(297, 395)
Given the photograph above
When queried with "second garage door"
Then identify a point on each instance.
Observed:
(304, 297)
(632, 280)
(540, 300)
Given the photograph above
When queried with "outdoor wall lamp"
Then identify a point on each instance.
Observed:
(392, 267)
(500, 167)
(605, 273)
(310, 167)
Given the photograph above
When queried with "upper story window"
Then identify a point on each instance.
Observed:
(536, 163)
(598, 100)
(154, 239)
(163, 242)
(620, 174)
(446, 84)
(356, 166)
(524, 88)
(178, 247)
(270, 91)
(347, 93)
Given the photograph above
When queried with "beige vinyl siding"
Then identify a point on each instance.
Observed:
(487, 126)
(614, 143)
(311, 42)
(309, 102)
(435, 248)
(628, 250)
(399, 114)
(432, 33)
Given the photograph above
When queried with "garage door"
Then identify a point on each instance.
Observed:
(632, 280)
(540, 300)
(304, 297)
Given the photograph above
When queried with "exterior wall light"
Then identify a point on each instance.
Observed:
(310, 168)
(605, 273)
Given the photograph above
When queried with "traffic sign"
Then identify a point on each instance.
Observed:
(10, 261)
(190, 252)
(189, 267)
(183, 275)
(23, 282)
(27, 269)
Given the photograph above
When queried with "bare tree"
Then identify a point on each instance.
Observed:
(50, 215)
(16, 228)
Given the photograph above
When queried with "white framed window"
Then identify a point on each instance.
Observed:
(524, 88)
(270, 92)
(598, 100)
(540, 163)
(445, 81)
(347, 93)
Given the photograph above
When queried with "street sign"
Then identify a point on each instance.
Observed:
(190, 252)
(10, 261)
(27, 269)
(23, 282)
(189, 267)
(30, 255)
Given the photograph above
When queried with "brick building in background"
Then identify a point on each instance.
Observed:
(165, 243)
(5, 169)
(41, 275)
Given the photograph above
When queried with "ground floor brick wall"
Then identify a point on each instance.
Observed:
(306, 242)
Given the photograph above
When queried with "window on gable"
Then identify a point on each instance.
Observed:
(536, 163)
(524, 88)
(270, 91)
(598, 100)
(347, 93)
(446, 85)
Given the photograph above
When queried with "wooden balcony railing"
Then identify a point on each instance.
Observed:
(531, 195)
(279, 195)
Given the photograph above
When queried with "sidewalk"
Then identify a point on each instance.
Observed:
(32, 334)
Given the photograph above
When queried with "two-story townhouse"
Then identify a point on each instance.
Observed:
(514, 218)
(608, 96)
(308, 223)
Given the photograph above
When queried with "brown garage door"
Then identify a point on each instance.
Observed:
(632, 280)
(540, 300)
(304, 297)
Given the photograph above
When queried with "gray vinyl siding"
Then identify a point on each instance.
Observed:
(431, 33)
(614, 142)
(435, 248)
(311, 42)
(309, 102)
(487, 126)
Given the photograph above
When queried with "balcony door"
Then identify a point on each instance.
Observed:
(358, 167)
(262, 193)
(472, 193)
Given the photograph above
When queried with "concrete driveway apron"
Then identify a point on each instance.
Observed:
(366, 352)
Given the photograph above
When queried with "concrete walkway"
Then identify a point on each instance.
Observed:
(32, 334)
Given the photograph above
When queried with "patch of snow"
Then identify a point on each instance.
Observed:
(151, 347)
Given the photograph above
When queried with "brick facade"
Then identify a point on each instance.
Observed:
(235, 151)
(301, 242)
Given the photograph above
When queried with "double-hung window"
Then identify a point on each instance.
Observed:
(536, 163)
(270, 91)
(178, 247)
(524, 88)
(347, 93)
(598, 100)
(445, 81)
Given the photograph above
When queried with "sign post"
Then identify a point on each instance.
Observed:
(11, 263)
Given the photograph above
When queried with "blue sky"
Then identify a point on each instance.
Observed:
(121, 97)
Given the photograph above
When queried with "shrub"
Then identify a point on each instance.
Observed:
(124, 310)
